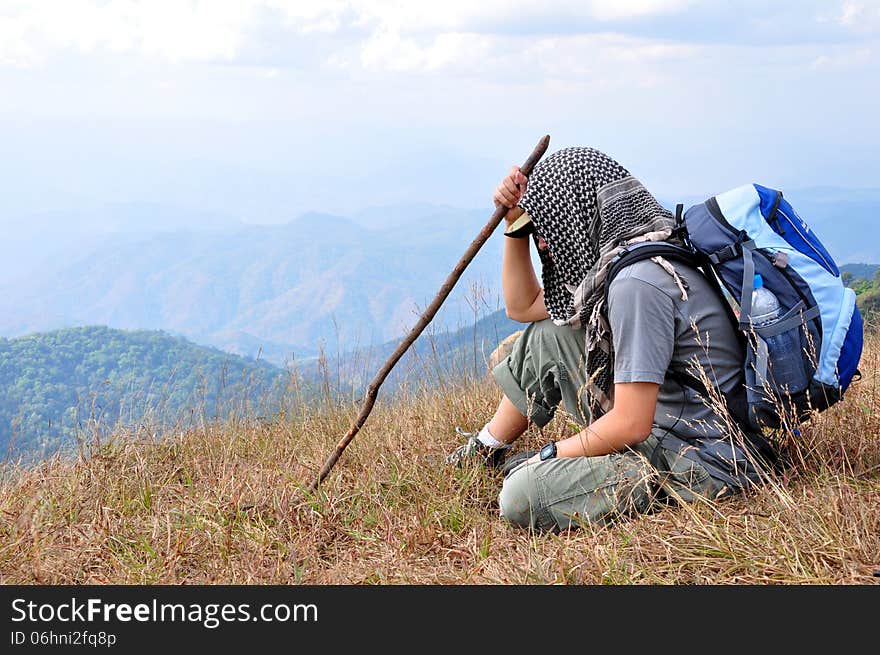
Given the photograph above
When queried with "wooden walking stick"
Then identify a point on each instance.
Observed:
(470, 253)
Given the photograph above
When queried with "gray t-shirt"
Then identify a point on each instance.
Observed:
(654, 330)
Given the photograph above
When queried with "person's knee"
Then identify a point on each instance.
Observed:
(518, 498)
(546, 332)
(556, 346)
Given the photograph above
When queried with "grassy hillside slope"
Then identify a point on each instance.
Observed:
(221, 504)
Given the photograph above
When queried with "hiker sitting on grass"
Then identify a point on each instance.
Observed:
(646, 436)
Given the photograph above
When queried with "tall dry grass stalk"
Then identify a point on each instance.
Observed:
(215, 503)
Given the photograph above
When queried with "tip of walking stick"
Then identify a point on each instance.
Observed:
(537, 153)
(543, 144)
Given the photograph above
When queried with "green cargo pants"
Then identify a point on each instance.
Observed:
(545, 369)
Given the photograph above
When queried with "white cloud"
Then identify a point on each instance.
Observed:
(856, 16)
(390, 51)
(374, 36)
(454, 34)
(398, 36)
(469, 16)
(849, 59)
(512, 59)
(324, 16)
(621, 9)
(32, 32)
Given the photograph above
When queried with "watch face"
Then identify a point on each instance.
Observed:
(548, 451)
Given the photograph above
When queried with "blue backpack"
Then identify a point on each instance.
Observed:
(752, 230)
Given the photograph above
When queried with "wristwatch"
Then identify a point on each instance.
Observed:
(548, 451)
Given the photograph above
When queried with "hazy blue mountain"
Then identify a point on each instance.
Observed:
(844, 219)
(394, 216)
(317, 281)
(35, 242)
(320, 282)
(437, 356)
(863, 271)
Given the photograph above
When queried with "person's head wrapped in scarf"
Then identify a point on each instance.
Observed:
(586, 206)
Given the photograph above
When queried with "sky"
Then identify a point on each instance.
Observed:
(264, 109)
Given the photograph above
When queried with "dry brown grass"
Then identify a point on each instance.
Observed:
(221, 505)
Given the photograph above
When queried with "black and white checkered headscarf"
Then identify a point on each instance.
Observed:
(586, 206)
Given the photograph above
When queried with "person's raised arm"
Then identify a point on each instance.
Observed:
(523, 295)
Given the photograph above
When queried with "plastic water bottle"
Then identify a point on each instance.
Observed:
(785, 351)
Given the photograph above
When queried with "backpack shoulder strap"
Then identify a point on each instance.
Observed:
(637, 252)
(648, 249)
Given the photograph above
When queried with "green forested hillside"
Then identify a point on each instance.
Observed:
(79, 382)
(59, 387)
(864, 279)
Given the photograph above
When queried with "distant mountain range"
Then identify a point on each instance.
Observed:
(66, 384)
(39, 242)
(845, 220)
(863, 271)
(286, 292)
(438, 355)
(318, 282)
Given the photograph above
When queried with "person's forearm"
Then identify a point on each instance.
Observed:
(519, 284)
(613, 432)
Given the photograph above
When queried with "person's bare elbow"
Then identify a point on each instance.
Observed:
(640, 426)
(520, 314)
(534, 312)
(641, 431)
